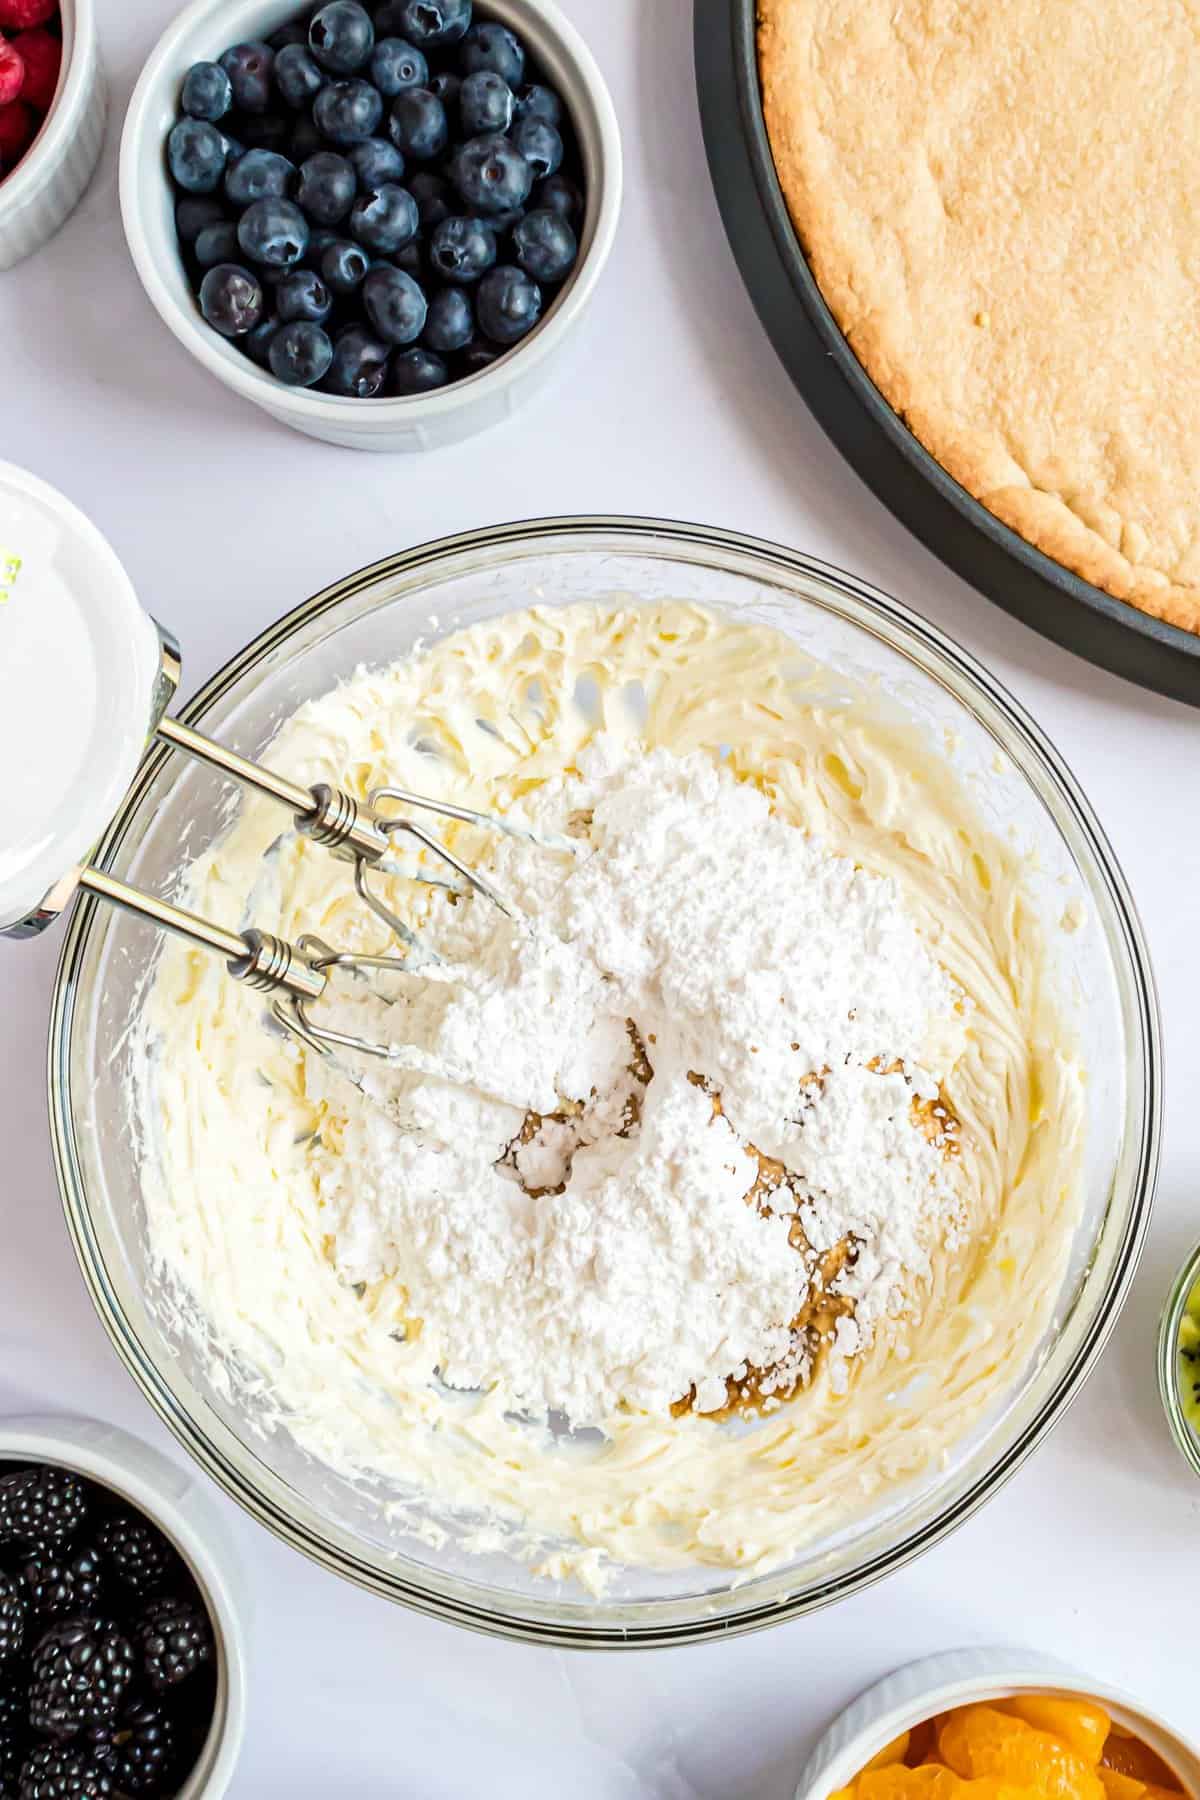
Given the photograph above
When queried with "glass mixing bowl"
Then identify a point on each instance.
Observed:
(175, 809)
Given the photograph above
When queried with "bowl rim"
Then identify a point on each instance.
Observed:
(141, 1475)
(330, 410)
(918, 1691)
(35, 167)
(660, 1622)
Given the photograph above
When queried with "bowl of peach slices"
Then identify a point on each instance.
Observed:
(999, 1725)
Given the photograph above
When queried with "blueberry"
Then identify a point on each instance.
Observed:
(536, 101)
(385, 219)
(490, 174)
(359, 365)
(300, 353)
(500, 222)
(193, 212)
(450, 323)
(418, 124)
(412, 260)
(492, 46)
(273, 232)
(298, 76)
(301, 294)
(328, 184)
(306, 140)
(231, 299)
(559, 195)
(249, 68)
(540, 145)
(429, 23)
(196, 156)
(233, 149)
(544, 245)
(265, 131)
(434, 197)
(257, 341)
(462, 249)
(341, 36)
(397, 65)
(477, 355)
(216, 244)
(294, 32)
(343, 266)
(485, 103)
(207, 92)
(347, 111)
(447, 86)
(259, 175)
(319, 242)
(508, 304)
(375, 161)
(394, 305)
(417, 371)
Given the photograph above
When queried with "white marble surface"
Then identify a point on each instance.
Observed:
(673, 404)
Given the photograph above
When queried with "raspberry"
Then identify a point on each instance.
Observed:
(18, 123)
(19, 15)
(12, 72)
(41, 52)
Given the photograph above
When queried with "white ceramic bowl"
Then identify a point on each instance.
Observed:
(418, 422)
(960, 1678)
(48, 182)
(178, 1502)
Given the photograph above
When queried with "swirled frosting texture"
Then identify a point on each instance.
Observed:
(244, 1238)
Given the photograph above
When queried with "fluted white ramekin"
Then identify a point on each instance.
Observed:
(180, 1504)
(961, 1678)
(49, 181)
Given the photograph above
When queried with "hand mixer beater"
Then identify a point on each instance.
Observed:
(85, 675)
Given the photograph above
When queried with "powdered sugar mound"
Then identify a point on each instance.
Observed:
(576, 1225)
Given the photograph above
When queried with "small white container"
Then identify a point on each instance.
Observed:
(80, 669)
(416, 422)
(49, 181)
(964, 1677)
(178, 1502)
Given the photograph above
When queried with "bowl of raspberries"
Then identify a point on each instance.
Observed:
(121, 1669)
(376, 219)
(53, 105)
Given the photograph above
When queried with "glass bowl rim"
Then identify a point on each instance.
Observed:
(674, 1621)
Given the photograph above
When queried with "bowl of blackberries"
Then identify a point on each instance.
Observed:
(121, 1670)
(377, 219)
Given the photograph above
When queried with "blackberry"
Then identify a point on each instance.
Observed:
(175, 1639)
(144, 1748)
(12, 1755)
(14, 1616)
(63, 1772)
(63, 1582)
(41, 1508)
(135, 1553)
(80, 1670)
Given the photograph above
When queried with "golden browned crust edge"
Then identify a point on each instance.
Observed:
(1043, 518)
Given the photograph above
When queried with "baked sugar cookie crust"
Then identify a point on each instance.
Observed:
(1000, 206)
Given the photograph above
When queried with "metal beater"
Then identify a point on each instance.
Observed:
(299, 974)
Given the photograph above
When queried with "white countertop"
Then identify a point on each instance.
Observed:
(672, 403)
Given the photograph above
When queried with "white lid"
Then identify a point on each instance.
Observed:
(78, 664)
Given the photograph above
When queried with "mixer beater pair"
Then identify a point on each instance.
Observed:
(299, 974)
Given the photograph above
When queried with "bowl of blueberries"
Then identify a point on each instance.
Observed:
(376, 219)
(122, 1665)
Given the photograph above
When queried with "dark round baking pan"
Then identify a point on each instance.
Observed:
(870, 435)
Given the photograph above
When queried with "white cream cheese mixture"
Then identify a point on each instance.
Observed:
(755, 1103)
